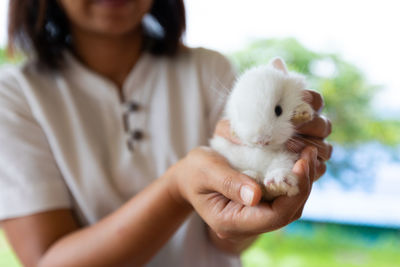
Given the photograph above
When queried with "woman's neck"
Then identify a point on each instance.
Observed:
(111, 56)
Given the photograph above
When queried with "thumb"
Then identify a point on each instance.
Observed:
(236, 186)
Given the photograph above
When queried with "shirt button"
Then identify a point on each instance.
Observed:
(137, 135)
(130, 144)
(133, 106)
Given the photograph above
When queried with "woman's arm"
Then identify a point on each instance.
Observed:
(132, 234)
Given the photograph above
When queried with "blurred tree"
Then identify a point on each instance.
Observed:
(13, 59)
(3, 57)
(345, 89)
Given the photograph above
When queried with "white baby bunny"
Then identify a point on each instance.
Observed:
(261, 109)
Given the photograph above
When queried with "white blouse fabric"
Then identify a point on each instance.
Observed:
(64, 142)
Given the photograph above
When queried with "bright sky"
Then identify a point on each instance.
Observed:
(364, 32)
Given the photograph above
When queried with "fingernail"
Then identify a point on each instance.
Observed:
(246, 194)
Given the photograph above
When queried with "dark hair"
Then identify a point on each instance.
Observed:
(41, 28)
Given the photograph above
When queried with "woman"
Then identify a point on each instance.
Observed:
(105, 105)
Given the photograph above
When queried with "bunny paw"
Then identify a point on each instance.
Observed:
(279, 183)
(302, 113)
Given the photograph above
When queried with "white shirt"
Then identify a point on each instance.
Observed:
(64, 143)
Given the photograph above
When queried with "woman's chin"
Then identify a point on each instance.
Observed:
(114, 29)
(118, 17)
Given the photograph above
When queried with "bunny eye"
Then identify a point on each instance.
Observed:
(278, 110)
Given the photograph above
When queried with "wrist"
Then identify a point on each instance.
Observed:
(176, 194)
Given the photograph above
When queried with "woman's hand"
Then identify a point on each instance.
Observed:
(229, 202)
(234, 223)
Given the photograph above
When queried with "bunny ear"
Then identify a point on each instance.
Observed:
(279, 64)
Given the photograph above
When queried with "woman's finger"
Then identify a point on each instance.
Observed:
(314, 99)
(319, 127)
(310, 154)
(297, 143)
(233, 185)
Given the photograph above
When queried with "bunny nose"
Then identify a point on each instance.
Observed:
(264, 141)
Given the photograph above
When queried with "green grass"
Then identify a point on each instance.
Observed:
(305, 245)
(7, 256)
(326, 246)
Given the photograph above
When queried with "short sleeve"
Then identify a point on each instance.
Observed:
(218, 76)
(30, 180)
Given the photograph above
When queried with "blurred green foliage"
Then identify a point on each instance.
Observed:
(6, 58)
(7, 256)
(325, 245)
(3, 56)
(346, 91)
